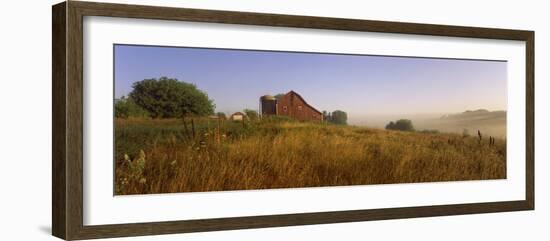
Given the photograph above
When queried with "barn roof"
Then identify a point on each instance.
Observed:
(302, 98)
(238, 113)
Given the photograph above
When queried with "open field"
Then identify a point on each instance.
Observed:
(491, 123)
(170, 155)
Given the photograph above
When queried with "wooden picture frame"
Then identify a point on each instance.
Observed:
(67, 159)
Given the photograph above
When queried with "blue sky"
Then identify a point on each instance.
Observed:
(361, 85)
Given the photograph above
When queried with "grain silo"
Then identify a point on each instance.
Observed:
(268, 105)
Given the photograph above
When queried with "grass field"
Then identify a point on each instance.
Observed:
(164, 156)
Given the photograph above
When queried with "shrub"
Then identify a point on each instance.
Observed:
(221, 115)
(277, 118)
(251, 114)
(400, 125)
(427, 131)
(126, 107)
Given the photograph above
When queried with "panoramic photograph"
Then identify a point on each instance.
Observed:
(204, 119)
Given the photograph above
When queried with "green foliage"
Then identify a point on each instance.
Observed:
(221, 115)
(400, 125)
(134, 172)
(278, 96)
(277, 119)
(136, 166)
(169, 98)
(326, 116)
(339, 117)
(126, 107)
(428, 131)
(251, 114)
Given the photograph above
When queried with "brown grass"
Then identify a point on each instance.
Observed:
(162, 157)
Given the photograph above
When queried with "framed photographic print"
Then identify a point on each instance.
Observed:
(171, 120)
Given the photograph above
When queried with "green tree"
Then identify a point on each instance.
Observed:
(278, 96)
(251, 114)
(167, 98)
(339, 117)
(400, 125)
(221, 115)
(325, 116)
(126, 107)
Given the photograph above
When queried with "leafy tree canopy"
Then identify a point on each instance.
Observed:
(278, 96)
(168, 98)
(339, 117)
(251, 114)
(400, 125)
(126, 107)
(221, 115)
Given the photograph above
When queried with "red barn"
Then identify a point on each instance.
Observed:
(292, 105)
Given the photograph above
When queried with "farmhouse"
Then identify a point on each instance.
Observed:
(237, 116)
(291, 104)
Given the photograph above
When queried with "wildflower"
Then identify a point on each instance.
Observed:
(141, 160)
(142, 180)
(137, 166)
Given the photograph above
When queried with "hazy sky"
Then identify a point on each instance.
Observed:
(360, 85)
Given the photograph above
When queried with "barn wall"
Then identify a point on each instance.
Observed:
(293, 106)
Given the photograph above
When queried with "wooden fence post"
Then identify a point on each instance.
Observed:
(193, 127)
(218, 131)
(185, 127)
(479, 135)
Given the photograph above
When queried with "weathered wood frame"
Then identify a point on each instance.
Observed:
(67, 159)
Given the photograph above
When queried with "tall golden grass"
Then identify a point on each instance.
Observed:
(158, 156)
